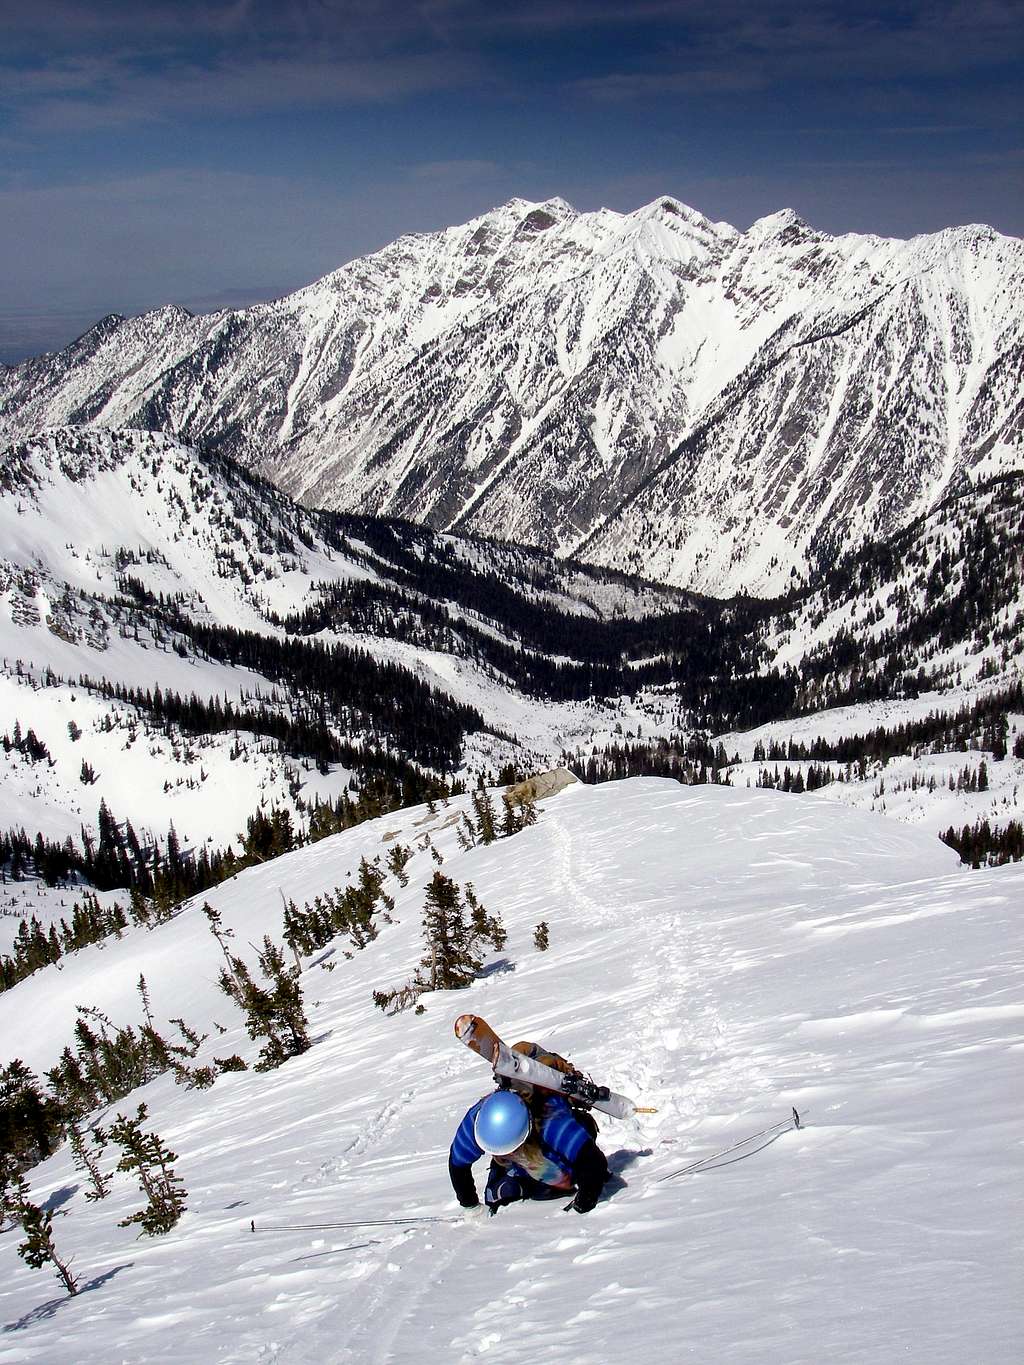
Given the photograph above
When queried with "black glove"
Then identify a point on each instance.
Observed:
(589, 1173)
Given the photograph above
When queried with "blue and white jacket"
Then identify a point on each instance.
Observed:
(559, 1152)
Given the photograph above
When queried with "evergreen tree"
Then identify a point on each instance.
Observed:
(267, 836)
(273, 1011)
(465, 833)
(362, 903)
(510, 819)
(483, 809)
(449, 963)
(86, 1160)
(229, 983)
(29, 1119)
(147, 1009)
(191, 1077)
(38, 1248)
(399, 857)
(145, 1155)
(484, 926)
(540, 936)
(72, 1092)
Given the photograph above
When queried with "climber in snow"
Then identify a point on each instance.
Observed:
(540, 1148)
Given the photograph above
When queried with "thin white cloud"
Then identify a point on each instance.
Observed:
(627, 86)
(98, 92)
(458, 171)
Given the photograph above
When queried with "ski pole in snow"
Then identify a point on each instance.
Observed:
(355, 1223)
(777, 1129)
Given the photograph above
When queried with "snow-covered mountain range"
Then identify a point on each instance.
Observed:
(652, 391)
(131, 563)
(215, 655)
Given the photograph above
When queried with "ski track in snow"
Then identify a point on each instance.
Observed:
(720, 954)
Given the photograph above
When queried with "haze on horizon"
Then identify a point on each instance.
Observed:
(215, 152)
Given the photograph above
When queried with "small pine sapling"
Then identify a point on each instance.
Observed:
(145, 1155)
(191, 1077)
(139, 909)
(147, 1009)
(29, 1117)
(291, 938)
(450, 960)
(399, 858)
(113, 1061)
(465, 833)
(193, 1041)
(402, 998)
(274, 1012)
(483, 809)
(540, 936)
(232, 1063)
(87, 1161)
(38, 1248)
(520, 812)
(229, 983)
(154, 1040)
(477, 913)
(485, 926)
(496, 932)
(510, 819)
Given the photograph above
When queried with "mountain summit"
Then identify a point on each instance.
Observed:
(652, 390)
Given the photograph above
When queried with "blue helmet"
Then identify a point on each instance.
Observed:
(502, 1123)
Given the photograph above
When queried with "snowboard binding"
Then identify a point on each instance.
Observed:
(582, 1089)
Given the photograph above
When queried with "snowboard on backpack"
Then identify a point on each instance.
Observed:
(480, 1038)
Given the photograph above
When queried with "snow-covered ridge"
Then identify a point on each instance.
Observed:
(110, 540)
(116, 547)
(195, 523)
(656, 391)
(720, 955)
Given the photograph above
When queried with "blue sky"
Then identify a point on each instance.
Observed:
(214, 153)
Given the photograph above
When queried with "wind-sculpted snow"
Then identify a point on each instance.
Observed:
(652, 390)
(720, 954)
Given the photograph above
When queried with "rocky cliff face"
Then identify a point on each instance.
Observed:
(652, 391)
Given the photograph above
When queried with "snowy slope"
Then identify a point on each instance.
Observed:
(946, 595)
(96, 525)
(650, 390)
(83, 513)
(919, 788)
(720, 954)
(80, 511)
